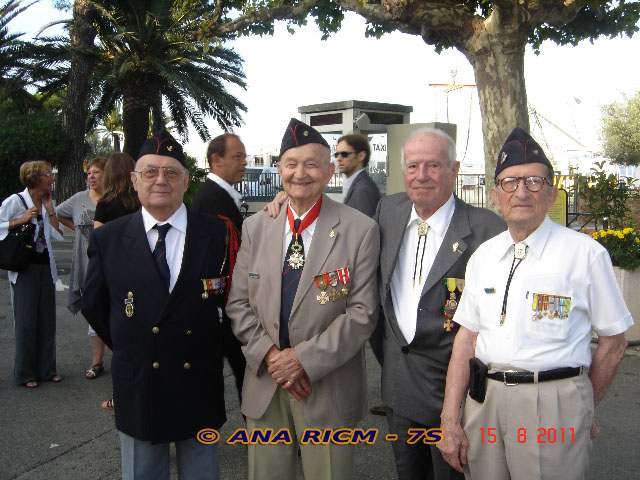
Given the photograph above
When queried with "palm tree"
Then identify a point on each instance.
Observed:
(146, 56)
(14, 56)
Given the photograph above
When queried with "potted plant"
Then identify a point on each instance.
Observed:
(624, 249)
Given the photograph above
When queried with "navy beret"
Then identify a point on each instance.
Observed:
(520, 148)
(162, 143)
(298, 134)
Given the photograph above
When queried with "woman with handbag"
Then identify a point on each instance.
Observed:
(77, 213)
(33, 289)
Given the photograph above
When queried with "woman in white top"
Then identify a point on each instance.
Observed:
(33, 289)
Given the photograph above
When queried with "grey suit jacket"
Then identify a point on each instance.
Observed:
(328, 339)
(363, 195)
(413, 375)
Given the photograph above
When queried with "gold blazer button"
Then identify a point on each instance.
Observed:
(156, 365)
(187, 366)
(155, 329)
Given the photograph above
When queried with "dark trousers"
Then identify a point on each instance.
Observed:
(418, 461)
(232, 350)
(34, 320)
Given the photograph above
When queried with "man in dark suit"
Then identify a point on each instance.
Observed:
(426, 238)
(227, 160)
(360, 191)
(152, 290)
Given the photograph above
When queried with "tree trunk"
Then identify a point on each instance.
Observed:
(497, 56)
(74, 111)
(136, 104)
(156, 113)
(116, 141)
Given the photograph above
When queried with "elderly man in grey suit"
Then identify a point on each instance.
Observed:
(303, 303)
(426, 238)
(360, 191)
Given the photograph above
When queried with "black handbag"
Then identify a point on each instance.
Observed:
(16, 249)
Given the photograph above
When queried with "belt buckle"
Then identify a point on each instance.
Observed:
(504, 376)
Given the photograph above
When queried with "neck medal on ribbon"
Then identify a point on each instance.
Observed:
(296, 259)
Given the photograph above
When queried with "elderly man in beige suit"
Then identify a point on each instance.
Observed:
(303, 303)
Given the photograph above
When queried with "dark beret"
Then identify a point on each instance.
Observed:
(162, 143)
(298, 134)
(520, 148)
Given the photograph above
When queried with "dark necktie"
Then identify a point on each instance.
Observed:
(290, 280)
(160, 253)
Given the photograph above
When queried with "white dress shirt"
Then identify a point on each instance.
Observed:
(559, 262)
(174, 242)
(307, 233)
(235, 195)
(404, 293)
(346, 184)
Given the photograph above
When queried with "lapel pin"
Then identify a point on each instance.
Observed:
(332, 234)
(455, 248)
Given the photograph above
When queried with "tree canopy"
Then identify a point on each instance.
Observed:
(621, 131)
(144, 54)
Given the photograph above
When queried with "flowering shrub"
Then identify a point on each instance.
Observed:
(623, 246)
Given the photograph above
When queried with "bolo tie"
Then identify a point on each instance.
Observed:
(519, 253)
(423, 228)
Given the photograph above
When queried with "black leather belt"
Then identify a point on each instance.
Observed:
(513, 377)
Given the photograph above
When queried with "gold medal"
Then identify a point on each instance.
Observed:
(322, 298)
(448, 325)
(334, 295)
(344, 291)
(128, 305)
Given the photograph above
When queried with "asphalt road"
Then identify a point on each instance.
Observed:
(59, 431)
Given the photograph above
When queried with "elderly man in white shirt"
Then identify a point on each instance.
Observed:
(533, 295)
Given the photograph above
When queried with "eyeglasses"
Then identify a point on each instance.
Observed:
(48, 174)
(342, 154)
(533, 184)
(150, 174)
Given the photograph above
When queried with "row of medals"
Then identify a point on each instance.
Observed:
(550, 306)
(334, 294)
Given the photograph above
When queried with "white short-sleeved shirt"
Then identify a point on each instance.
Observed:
(560, 264)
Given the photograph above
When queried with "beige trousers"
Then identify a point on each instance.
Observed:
(530, 431)
(278, 462)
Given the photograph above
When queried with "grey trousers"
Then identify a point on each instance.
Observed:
(144, 461)
(34, 320)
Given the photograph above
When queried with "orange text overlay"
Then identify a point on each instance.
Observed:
(313, 436)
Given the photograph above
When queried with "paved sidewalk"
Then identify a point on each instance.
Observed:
(59, 431)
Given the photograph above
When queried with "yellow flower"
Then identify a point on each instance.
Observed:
(636, 240)
(627, 230)
(619, 235)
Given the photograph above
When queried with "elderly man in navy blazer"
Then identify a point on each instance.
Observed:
(153, 286)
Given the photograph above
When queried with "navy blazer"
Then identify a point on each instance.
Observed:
(167, 361)
(213, 199)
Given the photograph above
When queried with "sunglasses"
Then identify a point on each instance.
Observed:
(342, 154)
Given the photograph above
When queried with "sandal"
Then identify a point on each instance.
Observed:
(31, 384)
(56, 379)
(94, 371)
(108, 404)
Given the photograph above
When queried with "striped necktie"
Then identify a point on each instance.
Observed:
(160, 253)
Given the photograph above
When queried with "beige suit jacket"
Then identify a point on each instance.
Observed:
(328, 339)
